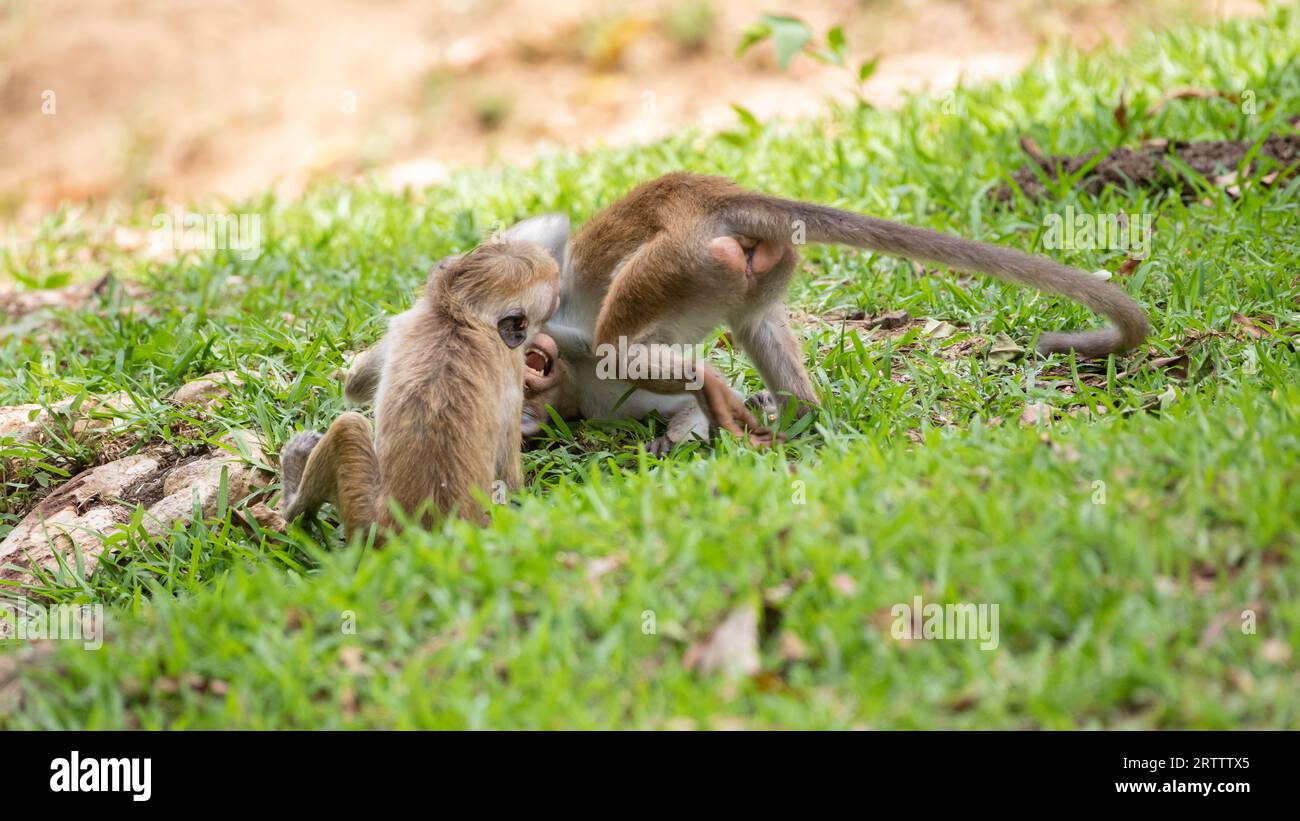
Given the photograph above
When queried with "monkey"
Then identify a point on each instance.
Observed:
(680, 255)
(551, 376)
(449, 394)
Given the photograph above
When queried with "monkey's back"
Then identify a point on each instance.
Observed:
(437, 417)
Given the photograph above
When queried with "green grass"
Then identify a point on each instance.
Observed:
(915, 480)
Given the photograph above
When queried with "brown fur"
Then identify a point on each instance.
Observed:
(450, 395)
(679, 255)
(654, 256)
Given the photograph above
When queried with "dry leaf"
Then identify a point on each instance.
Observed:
(938, 329)
(1128, 266)
(1276, 651)
(1176, 365)
(350, 658)
(1031, 148)
(1036, 413)
(731, 649)
(599, 567)
(1248, 326)
(792, 647)
(1004, 349)
(1212, 631)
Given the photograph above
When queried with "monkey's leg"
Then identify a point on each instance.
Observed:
(293, 460)
(769, 341)
(340, 467)
(666, 280)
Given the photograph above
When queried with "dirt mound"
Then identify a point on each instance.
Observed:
(1149, 166)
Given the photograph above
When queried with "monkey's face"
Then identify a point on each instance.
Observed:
(547, 381)
(511, 286)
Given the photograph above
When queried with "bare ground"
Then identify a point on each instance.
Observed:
(179, 100)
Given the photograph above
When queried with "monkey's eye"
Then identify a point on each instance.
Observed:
(513, 328)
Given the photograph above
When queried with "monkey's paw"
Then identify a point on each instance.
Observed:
(659, 447)
(764, 403)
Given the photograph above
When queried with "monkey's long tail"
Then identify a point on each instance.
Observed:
(771, 218)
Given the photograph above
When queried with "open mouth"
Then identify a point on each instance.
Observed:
(539, 362)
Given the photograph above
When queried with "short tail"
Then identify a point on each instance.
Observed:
(775, 219)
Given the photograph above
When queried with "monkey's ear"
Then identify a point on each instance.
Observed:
(438, 271)
(551, 231)
(513, 328)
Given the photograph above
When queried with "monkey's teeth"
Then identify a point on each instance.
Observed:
(538, 362)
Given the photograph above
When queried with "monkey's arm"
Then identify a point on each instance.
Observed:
(692, 423)
(362, 381)
(769, 341)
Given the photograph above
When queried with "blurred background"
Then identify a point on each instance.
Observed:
(108, 100)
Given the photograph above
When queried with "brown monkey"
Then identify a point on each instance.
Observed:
(450, 389)
(682, 254)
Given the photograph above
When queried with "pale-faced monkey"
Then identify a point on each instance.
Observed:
(680, 255)
(449, 397)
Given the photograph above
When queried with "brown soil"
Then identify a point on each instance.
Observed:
(1150, 166)
(176, 101)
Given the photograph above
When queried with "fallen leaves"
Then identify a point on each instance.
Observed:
(1004, 350)
(1275, 651)
(1250, 326)
(731, 649)
(1128, 266)
(1035, 414)
(793, 647)
(844, 584)
(602, 566)
(938, 329)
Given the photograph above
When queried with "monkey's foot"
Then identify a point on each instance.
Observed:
(293, 459)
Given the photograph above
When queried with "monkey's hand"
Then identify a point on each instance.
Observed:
(727, 411)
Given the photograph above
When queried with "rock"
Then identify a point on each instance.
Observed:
(207, 390)
(31, 422)
(200, 480)
(35, 424)
(74, 518)
(77, 516)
